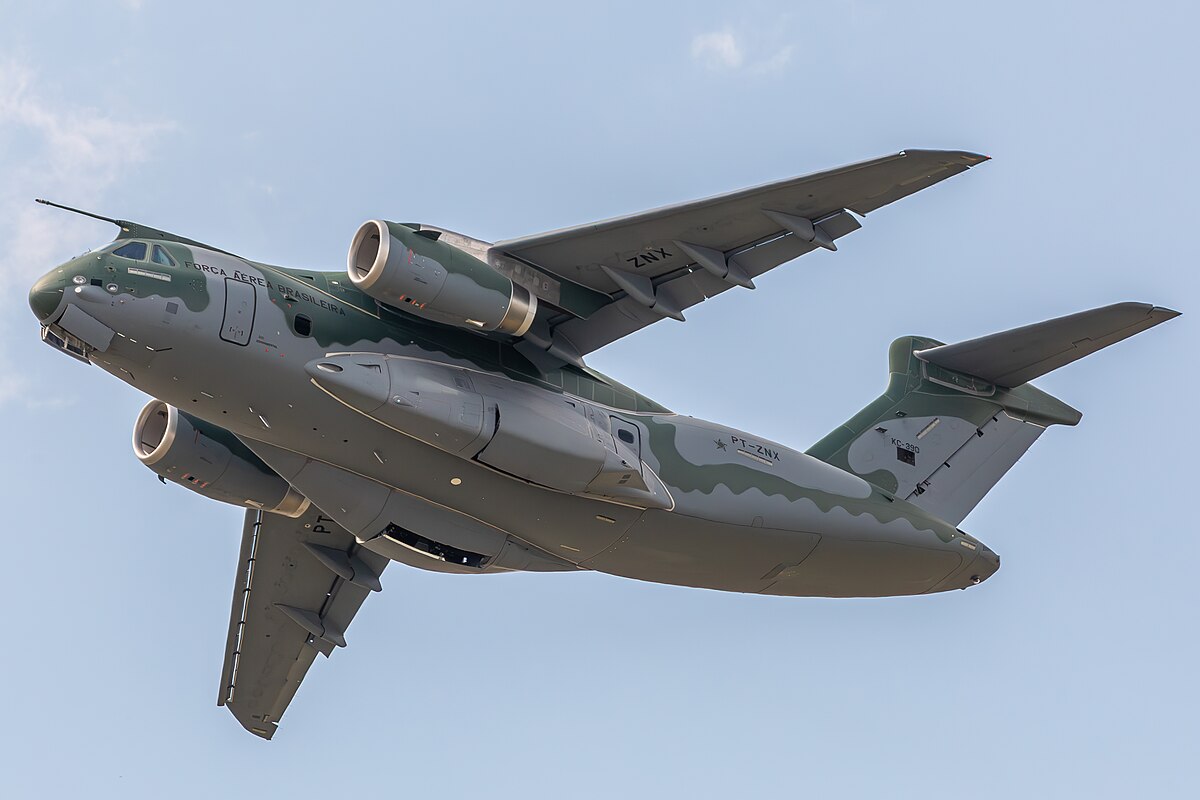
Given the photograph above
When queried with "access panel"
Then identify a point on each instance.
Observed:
(238, 322)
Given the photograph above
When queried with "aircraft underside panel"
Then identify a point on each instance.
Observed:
(688, 551)
(404, 527)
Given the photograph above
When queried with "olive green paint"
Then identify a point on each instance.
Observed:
(680, 473)
(452, 259)
(911, 392)
(348, 315)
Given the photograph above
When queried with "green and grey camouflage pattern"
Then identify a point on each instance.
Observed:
(431, 405)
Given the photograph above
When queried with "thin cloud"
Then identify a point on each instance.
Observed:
(717, 50)
(53, 149)
(775, 63)
(74, 154)
(724, 51)
(12, 387)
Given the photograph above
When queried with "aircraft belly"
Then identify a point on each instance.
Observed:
(682, 550)
(856, 568)
(672, 548)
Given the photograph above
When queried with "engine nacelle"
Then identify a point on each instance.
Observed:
(210, 461)
(410, 271)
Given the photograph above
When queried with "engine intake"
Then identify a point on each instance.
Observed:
(210, 461)
(412, 271)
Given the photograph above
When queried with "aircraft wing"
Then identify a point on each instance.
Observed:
(608, 279)
(299, 583)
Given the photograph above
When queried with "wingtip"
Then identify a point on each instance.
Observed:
(961, 156)
(1165, 313)
(1157, 313)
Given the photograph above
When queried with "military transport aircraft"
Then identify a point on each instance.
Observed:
(431, 405)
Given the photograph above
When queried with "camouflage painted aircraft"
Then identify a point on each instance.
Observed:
(431, 406)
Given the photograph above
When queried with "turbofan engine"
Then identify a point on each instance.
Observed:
(210, 461)
(410, 270)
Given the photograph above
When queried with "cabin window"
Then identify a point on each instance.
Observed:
(625, 435)
(303, 325)
(134, 250)
(161, 256)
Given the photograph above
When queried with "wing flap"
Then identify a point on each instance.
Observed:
(626, 315)
(267, 653)
(739, 235)
(644, 241)
(693, 286)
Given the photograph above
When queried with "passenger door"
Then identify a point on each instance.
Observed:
(238, 323)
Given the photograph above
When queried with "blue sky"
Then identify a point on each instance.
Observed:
(275, 129)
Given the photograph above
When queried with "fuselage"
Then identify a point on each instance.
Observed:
(235, 343)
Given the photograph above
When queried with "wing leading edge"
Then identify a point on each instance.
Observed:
(610, 278)
(299, 584)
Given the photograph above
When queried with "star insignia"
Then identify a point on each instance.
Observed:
(720, 444)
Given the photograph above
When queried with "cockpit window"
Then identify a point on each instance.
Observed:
(134, 250)
(162, 257)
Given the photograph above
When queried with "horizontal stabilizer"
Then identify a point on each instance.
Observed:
(1018, 356)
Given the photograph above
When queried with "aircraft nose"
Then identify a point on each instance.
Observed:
(46, 295)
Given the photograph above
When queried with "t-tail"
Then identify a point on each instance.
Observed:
(956, 417)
